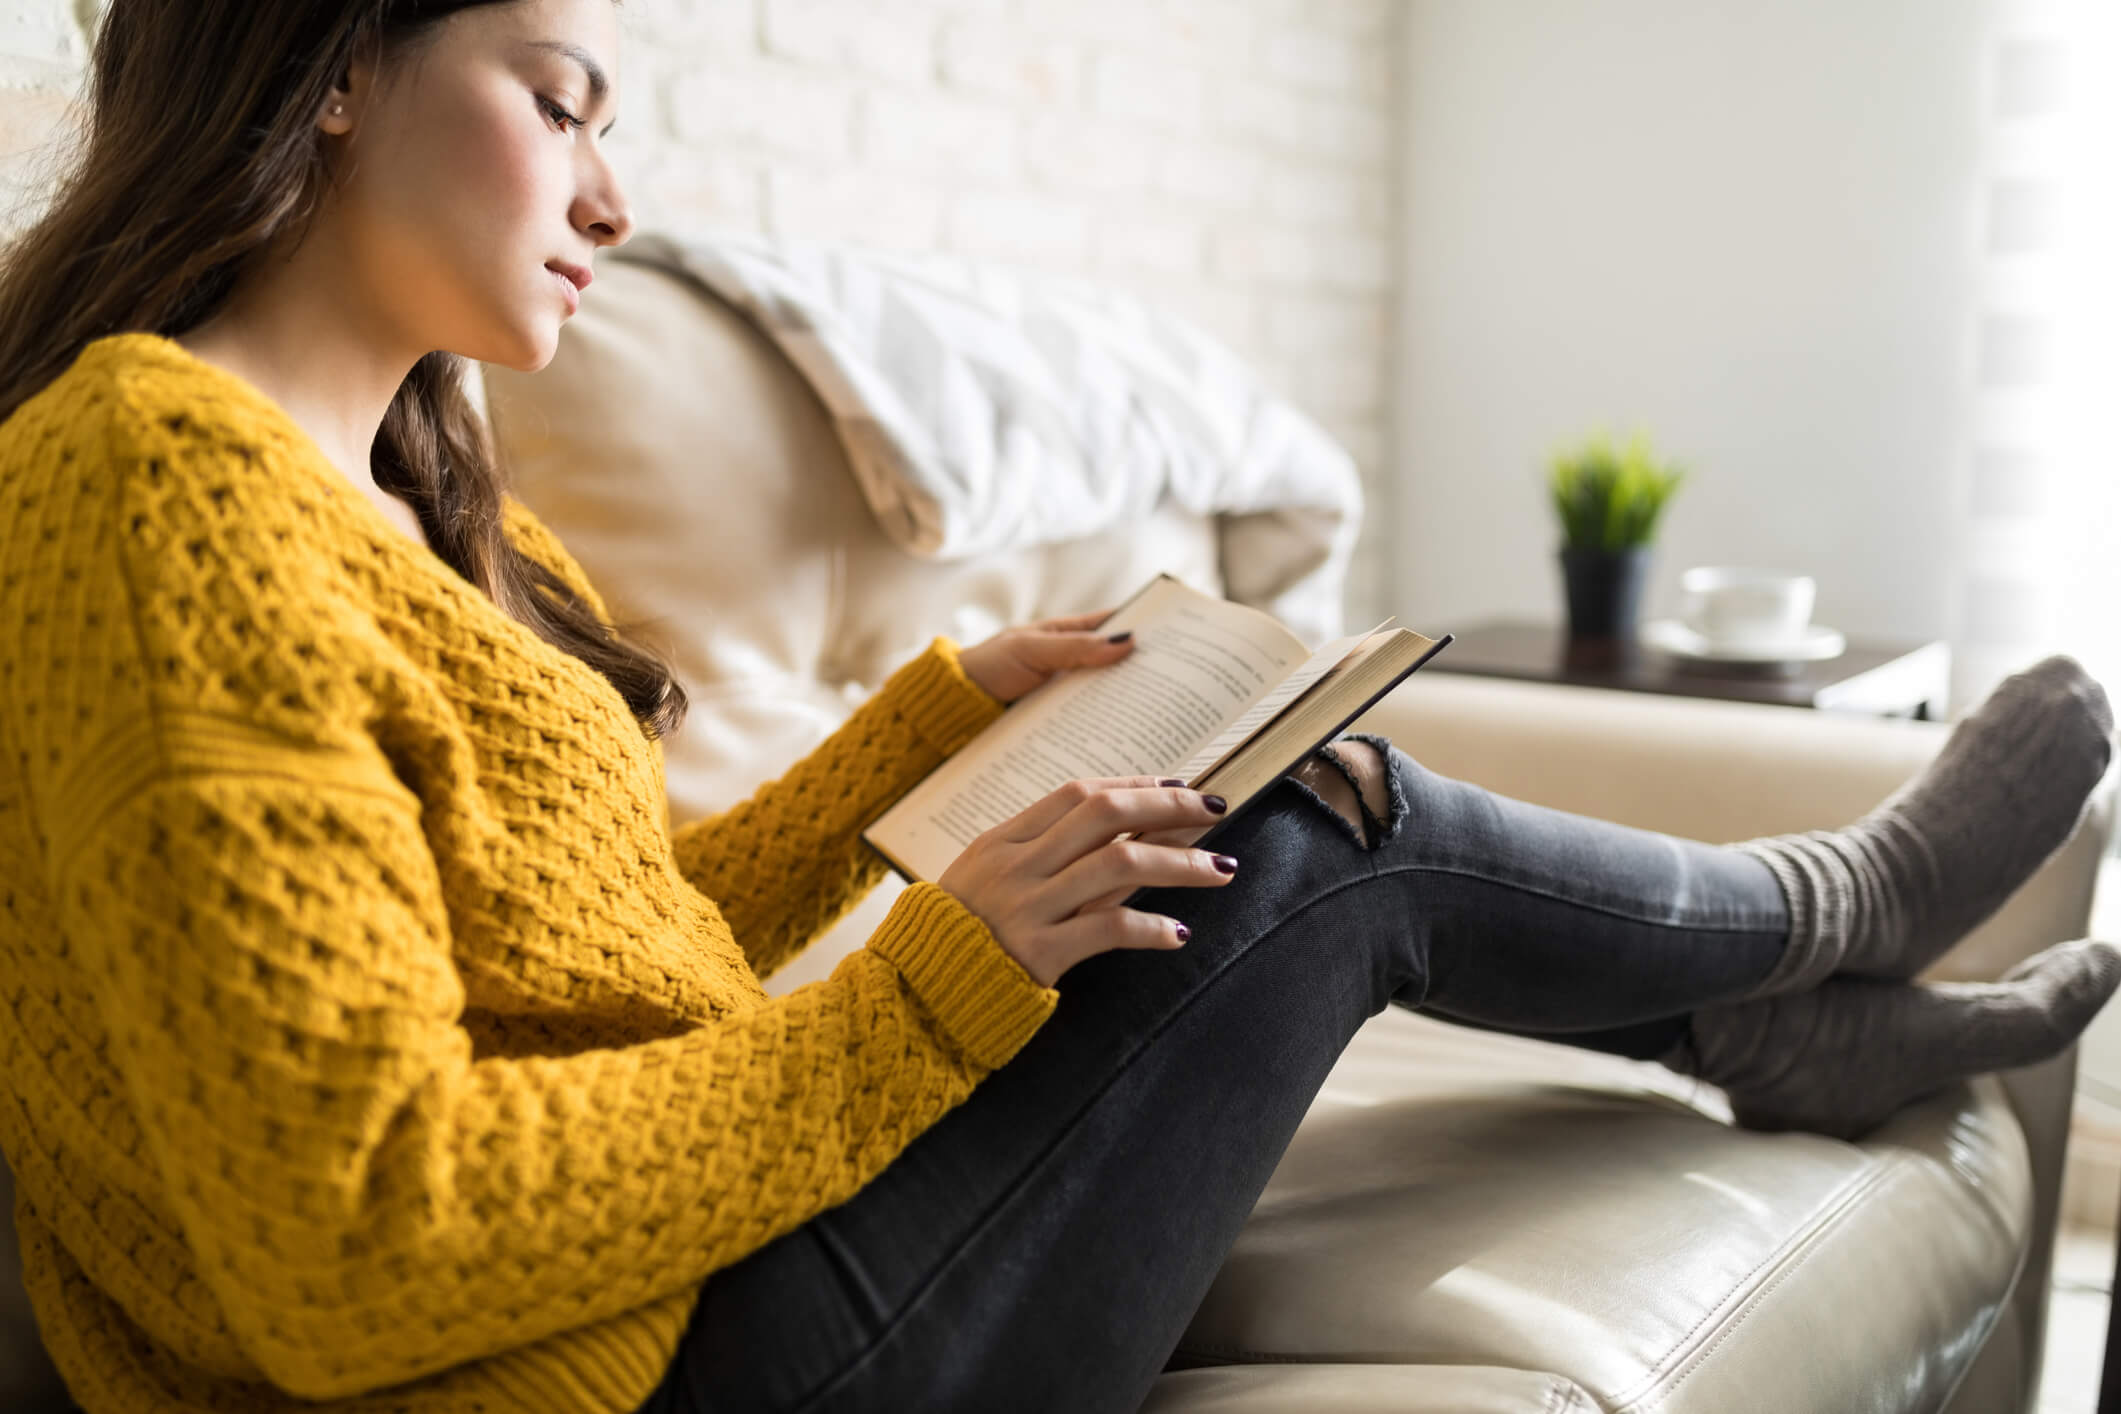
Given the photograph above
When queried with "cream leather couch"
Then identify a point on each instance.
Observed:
(1464, 1222)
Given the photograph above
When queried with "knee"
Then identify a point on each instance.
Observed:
(1355, 767)
(1368, 767)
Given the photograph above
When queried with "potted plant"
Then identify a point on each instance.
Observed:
(1609, 499)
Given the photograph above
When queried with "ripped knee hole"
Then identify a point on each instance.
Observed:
(1360, 767)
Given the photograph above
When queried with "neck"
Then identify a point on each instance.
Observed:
(297, 330)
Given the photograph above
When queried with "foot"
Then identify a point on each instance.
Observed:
(1890, 894)
(1843, 1057)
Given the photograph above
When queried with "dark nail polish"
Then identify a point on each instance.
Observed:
(1226, 864)
(1215, 803)
(1185, 934)
(1119, 637)
(1171, 781)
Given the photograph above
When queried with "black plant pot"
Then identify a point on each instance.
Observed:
(1604, 590)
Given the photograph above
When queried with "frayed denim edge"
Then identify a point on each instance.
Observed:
(1374, 832)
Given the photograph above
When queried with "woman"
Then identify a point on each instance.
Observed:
(371, 1041)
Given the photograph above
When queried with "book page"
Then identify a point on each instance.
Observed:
(1263, 711)
(1198, 662)
(1345, 691)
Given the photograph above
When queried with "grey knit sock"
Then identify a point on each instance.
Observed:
(1888, 895)
(1842, 1057)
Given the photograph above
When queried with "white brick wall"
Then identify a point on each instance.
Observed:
(1232, 160)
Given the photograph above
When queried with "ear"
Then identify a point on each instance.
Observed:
(342, 107)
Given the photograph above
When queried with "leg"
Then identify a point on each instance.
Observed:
(1543, 922)
(1044, 1245)
(1349, 776)
(1886, 895)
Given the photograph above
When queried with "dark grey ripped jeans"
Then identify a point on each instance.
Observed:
(1044, 1245)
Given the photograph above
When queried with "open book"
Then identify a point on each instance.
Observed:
(1217, 694)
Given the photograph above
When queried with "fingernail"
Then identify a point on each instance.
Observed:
(1226, 864)
(1173, 781)
(1185, 934)
(1215, 803)
(1119, 637)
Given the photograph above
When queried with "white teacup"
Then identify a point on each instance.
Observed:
(1734, 608)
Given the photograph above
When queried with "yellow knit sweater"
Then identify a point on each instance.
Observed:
(368, 1034)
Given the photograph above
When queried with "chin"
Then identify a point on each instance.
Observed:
(524, 349)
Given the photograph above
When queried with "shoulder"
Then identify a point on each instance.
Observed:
(184, 526)
(140, 397)
(169, 566)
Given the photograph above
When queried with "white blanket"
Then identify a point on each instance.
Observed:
(985, 410)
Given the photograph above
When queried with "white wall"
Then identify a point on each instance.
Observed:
(1755, 228)
(1750, 229)
(1232, 160)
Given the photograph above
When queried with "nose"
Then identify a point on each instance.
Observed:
(602, 212)
(615, 229)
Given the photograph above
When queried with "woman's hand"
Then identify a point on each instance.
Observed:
(1016, 660)
(1046, 881)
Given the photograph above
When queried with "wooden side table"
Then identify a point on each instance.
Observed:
(1879, 678)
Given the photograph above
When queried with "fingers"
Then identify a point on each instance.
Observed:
(1099, 814)
(1182, 836)
(1092, 933)
(1038, 817)
(1072, 622)
(1107, 875)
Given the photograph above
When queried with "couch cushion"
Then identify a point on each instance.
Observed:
(690, 469)
(1364, 1389)
(1461, 1197)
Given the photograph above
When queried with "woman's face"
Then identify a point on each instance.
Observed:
(473, 172)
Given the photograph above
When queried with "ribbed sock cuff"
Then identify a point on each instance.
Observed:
(1808, 957)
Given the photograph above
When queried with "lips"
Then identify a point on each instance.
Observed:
(576, 275)
(569, 289)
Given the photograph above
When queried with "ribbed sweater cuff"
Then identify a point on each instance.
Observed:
(983, 998)
(945, 706)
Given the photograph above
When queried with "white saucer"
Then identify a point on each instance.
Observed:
(1817, 644)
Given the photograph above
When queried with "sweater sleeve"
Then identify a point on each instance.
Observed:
(367, 1201)
(788, 862)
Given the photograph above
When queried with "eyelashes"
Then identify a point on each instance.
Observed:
(556, 113)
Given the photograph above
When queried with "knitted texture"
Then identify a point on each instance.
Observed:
(1841, 1058)
(1887, 895)
(367, 1034)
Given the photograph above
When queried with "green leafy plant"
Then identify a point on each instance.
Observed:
(1609, 497)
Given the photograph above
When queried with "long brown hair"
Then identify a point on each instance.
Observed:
(200, 151)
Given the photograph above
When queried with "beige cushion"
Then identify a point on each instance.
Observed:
(1460, 1197)
(694, 474)
(1364, 1389)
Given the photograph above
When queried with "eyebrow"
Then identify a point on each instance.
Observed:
(598, 84)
